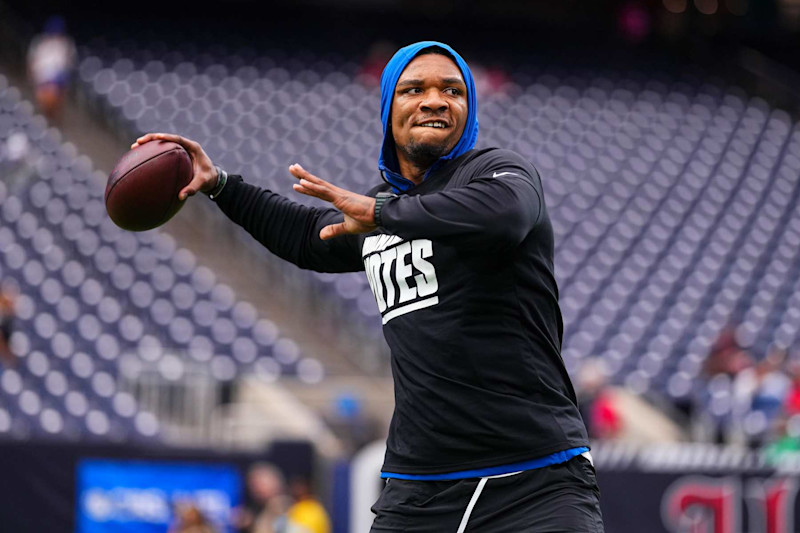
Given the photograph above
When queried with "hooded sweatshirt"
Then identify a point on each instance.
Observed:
(387, 161)
(462, 272)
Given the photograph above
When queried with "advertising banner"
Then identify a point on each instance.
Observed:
(142, 496)
(697, 488)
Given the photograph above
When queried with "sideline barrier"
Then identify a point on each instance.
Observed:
(696, 488)
(41, 481)
(669, 488)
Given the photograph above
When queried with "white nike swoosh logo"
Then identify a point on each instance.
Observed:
(498, 174)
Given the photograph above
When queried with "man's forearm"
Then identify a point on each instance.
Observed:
(287, 229)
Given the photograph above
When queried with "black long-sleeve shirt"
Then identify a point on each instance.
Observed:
(462, 272)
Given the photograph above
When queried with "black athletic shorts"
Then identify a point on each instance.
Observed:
(553, 499)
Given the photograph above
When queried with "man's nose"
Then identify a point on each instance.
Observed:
(433, 101)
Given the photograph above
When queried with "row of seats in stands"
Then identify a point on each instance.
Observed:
(91, 294)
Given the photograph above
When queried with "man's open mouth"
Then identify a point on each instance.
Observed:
(433, 124)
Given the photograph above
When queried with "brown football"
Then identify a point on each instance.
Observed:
(142, 190)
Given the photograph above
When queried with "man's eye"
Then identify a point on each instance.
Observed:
(452, 91)
(414, 90)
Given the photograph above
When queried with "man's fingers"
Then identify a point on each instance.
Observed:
(300, 173)
(191, 189)
(186, 192)
(311, 185)
(141, 140)
(320, 191)
(302, 190)
(334, 230)
(309, 189)
(155, 136)
(186, 143)
(297, 171)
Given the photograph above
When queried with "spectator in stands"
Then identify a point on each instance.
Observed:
(51, 58)
(616, 413)
(17, 160)
(727, 356)
(7, 298)
(306, 515)
(718, 402)
(268, 502)
(348, 420)
(369, 73)
(597, 405)
(791, 404)
(745, 400)
(786, 441)
(189, 519)
(491, 79)
(759, 393)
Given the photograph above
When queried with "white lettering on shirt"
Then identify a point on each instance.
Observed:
(400, 275)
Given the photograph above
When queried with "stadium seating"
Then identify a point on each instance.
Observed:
(672, 196)
(92, 295)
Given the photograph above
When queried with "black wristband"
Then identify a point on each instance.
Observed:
(380, 199)
(222, 179)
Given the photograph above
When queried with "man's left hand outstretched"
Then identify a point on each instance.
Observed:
(358, 210)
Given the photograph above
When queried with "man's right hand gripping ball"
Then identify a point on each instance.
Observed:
(205, 173)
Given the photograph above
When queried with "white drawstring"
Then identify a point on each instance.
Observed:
(472, 502)
(476, 495)
(482, 483)
(588, 457)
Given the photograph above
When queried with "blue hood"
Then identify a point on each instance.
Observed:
(387, 162)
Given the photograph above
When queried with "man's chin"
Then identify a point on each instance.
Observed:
(425, 153)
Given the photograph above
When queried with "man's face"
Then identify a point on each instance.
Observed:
(429, 109)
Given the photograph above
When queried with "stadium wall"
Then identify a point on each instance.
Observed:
(40, 488)
(669, 488)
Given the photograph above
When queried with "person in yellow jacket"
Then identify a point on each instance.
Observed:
(306, 515)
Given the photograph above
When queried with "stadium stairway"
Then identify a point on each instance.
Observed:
(33, 385)
(214, 246)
